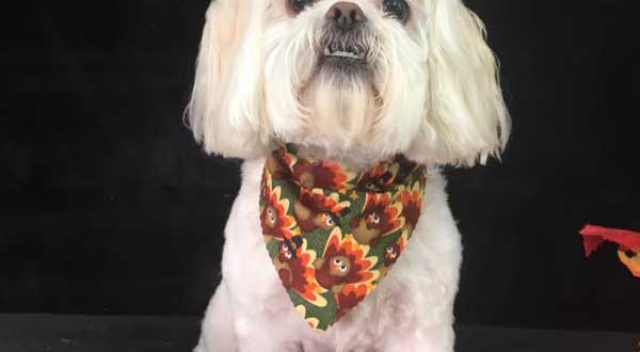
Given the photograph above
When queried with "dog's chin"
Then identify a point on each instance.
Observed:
(344, 69)
(342, 103)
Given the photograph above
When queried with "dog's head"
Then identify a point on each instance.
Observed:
(370, 77)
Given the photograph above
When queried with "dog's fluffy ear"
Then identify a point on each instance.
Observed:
(467, 119)
(225, 111)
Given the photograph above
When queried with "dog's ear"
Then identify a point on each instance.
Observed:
(467, 119)
(226, 109)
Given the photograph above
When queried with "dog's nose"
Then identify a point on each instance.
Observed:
(345, 14)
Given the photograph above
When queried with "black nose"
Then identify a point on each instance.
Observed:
(345, 14)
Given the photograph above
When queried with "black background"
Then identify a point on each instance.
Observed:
(107, 206)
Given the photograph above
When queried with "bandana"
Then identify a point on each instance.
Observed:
(332, 234)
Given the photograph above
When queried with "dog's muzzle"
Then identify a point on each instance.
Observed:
(344, 44)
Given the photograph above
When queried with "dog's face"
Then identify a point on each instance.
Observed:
(346, 76)
(365, 77)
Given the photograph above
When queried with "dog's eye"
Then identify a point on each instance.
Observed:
(298, 5)
(396, 8)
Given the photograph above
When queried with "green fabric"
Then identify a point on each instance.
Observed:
(333, 234)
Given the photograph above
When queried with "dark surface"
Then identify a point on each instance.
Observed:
(53, 333)
(29, 333)
(107, 206)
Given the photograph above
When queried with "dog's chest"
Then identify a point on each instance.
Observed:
(258, 291)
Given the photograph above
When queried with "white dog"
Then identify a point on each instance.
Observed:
(355, 82)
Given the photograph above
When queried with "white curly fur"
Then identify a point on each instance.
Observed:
(433, 95)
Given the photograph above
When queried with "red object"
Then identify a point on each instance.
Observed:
(628, 242)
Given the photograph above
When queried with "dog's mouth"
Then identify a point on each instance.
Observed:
(342, 59)
(346, 53)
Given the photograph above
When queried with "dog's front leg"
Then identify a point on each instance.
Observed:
(218, 331)
(257, 334)
(264, 317)
(436, 339)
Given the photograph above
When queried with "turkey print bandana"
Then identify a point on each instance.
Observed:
(332, 234)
